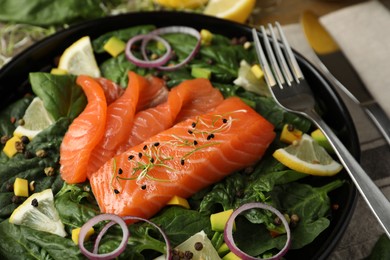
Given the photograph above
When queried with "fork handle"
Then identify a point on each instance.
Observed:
(375, 199)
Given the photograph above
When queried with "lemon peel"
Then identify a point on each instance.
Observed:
(38, 212)
(307, 156)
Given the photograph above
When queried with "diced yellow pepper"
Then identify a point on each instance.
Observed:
(21, 187)
(257, 71)
(57, 71)
(206, 37)
(76, 234)
(114, 46)
(290, 134)
(179, 201)
(10, 148)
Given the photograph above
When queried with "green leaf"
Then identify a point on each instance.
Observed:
(42, 12)
(20, 242)
(76, 205)
(381, 249)
(33, 169)
(123, 34)
(10, 115)
(179, 223)
(60, 94)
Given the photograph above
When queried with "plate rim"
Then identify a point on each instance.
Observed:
(26, 54)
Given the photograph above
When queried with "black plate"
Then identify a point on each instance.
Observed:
(41, 57)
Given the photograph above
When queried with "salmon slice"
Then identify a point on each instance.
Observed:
(120, 115)
(84, 133)
(182, 160)
(190, 98)
(112, 91)
(155, 94)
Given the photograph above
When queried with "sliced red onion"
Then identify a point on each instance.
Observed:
(154, 35)
(228, 233)
(125, 231)
(168, 244)
(146, 63)
(93, 221)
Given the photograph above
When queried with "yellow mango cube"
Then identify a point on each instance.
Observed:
(114, 46)
(179, 201)
(206, 37)
(257, 71)
(21, 187)
(76, 234)
(290, 134)
(10, 148)
(219, 220)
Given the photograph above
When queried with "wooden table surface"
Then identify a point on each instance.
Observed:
(289, 11)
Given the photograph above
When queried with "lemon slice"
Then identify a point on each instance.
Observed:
(36, 118)
(38, 212)
(307, 156)
(181, 4)
(235, 10)
(198, 244)
(79, 59)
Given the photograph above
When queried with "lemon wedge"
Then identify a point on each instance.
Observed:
(181, 4)
(307, 156)
(235, 10)
(198, 244)
(78, 59)
(36, 118)
(38, 212)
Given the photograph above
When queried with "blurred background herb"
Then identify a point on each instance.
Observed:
(24, 22)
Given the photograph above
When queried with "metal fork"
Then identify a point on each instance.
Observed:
(290, 90)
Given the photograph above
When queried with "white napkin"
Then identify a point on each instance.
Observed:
(363, 33)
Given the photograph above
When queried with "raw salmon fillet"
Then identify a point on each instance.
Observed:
(112, 91)
(120, 115)
(188, 99)
(84, 133)
(182, 160)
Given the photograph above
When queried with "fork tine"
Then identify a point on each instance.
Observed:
(280, 57)
(274, 65)
(290, 55)
(269, 77)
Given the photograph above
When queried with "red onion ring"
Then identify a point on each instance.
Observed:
(228, 232)
(146, 63)
(114, 220)
(154, 35)
(93, 221)
(168, 244)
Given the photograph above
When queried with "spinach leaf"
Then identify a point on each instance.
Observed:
(9, 118)
(33, 169)
(21, 242)
(179, 223)
(76, 205)
(60, 94)
(381, 249)
(278, 116)
(116, 69)
(123, 34)
(49, 12)
(311, 204)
